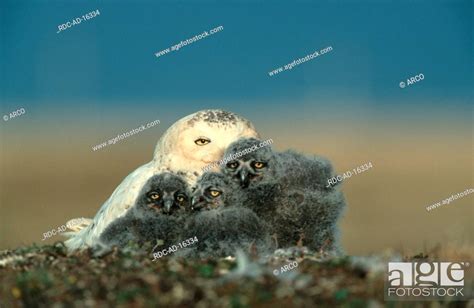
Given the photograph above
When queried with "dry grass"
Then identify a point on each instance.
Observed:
(48, 275)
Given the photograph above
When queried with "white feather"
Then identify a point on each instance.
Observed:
(78, 224)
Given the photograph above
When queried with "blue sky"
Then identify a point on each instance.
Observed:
(109, 60)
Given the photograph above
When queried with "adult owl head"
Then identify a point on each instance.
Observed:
(200, 139)
(185, 148)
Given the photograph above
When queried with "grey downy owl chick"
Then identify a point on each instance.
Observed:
(311, 210)
(221, 225)
(158, 215)
(213, 190)
(248, 164)
(280, 188)
(263, 165)
(310, 218)
(297, 170)
(256, 174)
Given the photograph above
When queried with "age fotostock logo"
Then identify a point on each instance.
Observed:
(426, 280)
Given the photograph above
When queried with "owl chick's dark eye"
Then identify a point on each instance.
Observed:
(214, 193)
(154, 195)
(202, 141)
(258, 165)
(232, 164)
(180, 198)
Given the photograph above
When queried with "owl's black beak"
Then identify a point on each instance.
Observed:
(168, 206)
(197, 202)
(244, 178)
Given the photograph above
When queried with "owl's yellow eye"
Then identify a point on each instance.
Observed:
(214, 193)
(154, 196)
(202, 141)
(180, 198)
(233, 165)
(258, 165)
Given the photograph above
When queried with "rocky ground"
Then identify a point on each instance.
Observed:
(47, 276)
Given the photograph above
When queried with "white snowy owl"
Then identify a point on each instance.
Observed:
(190, 144)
